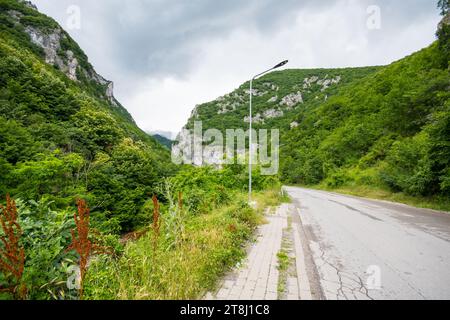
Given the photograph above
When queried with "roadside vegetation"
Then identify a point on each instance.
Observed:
(184, 264)
(197, 239)
(194, 229)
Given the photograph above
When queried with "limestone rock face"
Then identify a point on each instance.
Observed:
(64, 60)
(231, 102)
(110, 93)
(49, 42)
(292, 99)
(273, 113)
(106, 83)
(307, 82)
(271, 86)
(29, 4)
(273, 99)
(324, 83)
(444, 22)
(258, 118)
(255, 92)
(72, 65)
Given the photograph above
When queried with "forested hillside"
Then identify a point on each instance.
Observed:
(81, 184)
(277, 98)
(163, 140)
(63, 135)
(390, 130)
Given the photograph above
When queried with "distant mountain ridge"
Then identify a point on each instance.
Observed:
(163, 141)
(167, 134)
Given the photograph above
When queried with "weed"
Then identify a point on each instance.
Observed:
(12, 255)
(156, 225)
(81, 242)
(283, 265)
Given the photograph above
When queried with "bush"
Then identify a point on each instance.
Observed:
(337, 179)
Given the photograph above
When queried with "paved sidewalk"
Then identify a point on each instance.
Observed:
(258, 277)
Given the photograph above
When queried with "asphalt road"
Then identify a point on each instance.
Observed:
(367, 249)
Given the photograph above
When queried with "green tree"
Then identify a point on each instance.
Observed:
(444, 5)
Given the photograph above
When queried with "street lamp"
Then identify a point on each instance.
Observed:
(251, 127)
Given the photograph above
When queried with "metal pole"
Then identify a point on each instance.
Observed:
(251, 129)
(250, 147)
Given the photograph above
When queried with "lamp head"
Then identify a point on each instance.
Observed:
(281, 64)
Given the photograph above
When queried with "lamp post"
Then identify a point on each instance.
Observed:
(250, 164)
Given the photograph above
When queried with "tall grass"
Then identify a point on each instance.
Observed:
(186, 268)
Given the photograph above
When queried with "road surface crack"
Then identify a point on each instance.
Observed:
(344, 288)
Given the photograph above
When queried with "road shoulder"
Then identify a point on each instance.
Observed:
(262, 275)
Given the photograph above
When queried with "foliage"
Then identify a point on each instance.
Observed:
(275, 85)
(196, 233)
(45, 236)
(444, 6)
(163, 141)
(62, 139)
(211, 244)
(394, 123)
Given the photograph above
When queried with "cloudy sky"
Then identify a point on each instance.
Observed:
(166, 56)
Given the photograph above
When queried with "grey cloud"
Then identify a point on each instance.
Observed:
(153, 49)
(162, 37)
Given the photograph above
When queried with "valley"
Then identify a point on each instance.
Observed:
(87, 195)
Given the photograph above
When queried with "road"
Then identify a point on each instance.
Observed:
(367, 249)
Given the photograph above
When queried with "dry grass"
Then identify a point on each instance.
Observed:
(12, 254)
(81, 242)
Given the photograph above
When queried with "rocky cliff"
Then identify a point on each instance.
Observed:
(58, 48)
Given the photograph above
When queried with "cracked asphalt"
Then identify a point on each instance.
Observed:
(366, 249)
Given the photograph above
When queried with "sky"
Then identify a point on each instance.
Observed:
(167, 56)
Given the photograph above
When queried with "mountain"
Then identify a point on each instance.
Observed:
(163, 141)
(277, 98)
(384, 127)
(63, 135)
(391, 130)
(166, 134)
